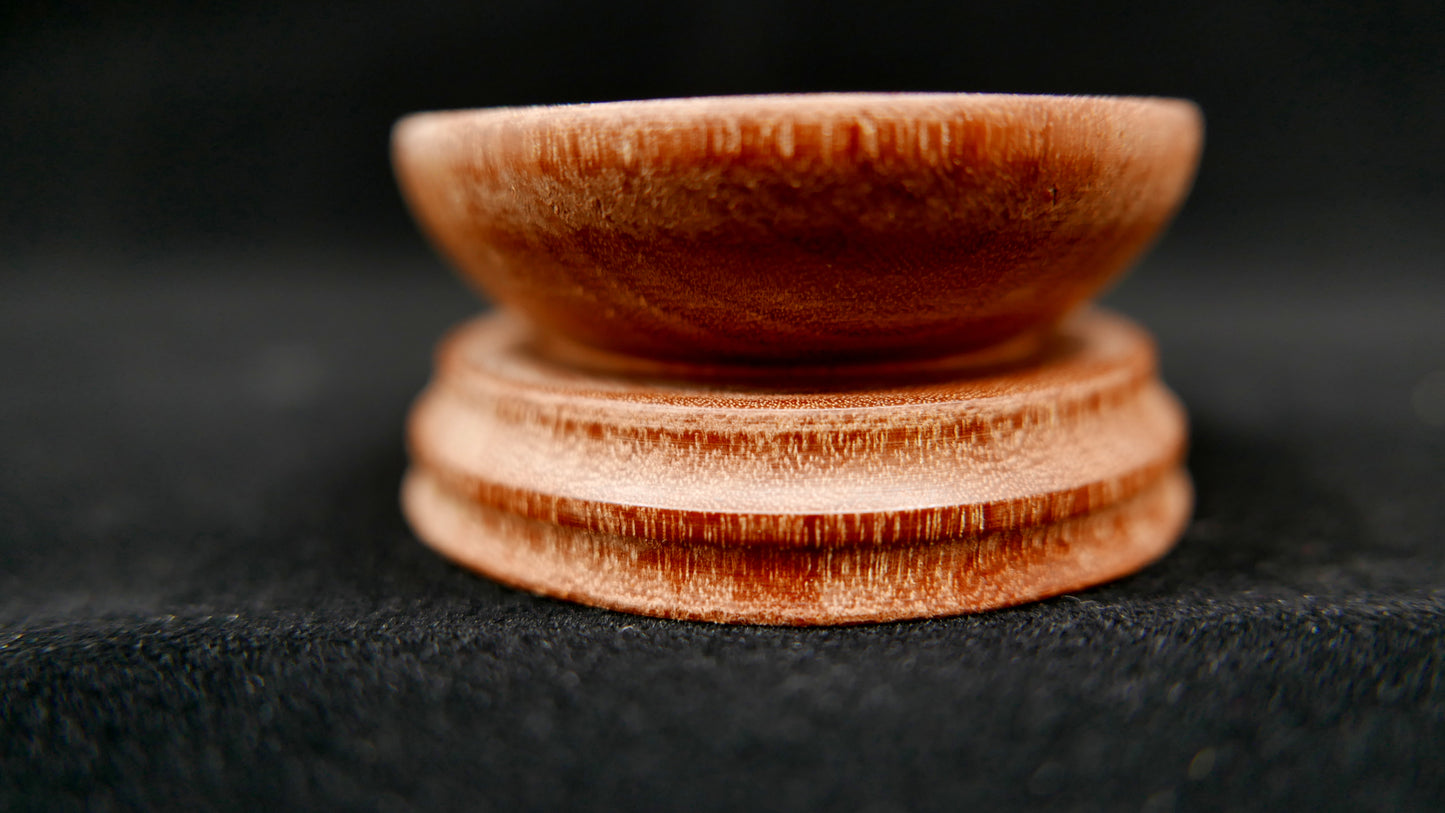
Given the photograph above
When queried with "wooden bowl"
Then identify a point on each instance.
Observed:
(798, 229)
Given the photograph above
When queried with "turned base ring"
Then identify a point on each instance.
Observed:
(829, 498)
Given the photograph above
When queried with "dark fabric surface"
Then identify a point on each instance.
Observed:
(208, 598)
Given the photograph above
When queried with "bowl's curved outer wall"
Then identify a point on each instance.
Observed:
(780, 229)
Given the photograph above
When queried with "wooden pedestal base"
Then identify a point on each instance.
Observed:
(817, 496)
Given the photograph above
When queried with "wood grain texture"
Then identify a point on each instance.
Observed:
(802, 229)
(834, 500)
(799, 359)
(802, 586)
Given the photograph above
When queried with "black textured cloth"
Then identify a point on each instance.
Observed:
(209, 600)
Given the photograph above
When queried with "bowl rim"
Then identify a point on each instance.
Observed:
(830, 104)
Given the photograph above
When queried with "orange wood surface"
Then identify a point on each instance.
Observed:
(799, 359)
(798, 228)
(982, 488)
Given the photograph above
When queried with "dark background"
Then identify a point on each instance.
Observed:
(214, 311)
(145, 125)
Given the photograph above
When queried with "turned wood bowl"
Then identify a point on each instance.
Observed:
(825, 229)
